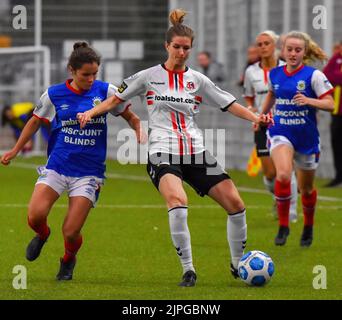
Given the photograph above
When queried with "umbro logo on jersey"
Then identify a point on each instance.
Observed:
(64, 106)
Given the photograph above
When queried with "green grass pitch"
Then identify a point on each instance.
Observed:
(127, 252)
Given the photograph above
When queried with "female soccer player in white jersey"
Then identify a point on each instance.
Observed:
(173, 95)
(298, 92)
(76, 158)
(255, 91)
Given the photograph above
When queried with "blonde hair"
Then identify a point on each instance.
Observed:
(176, 18)
(312, 49)
(269, 33)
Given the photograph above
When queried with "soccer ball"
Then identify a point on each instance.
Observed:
(256, 268)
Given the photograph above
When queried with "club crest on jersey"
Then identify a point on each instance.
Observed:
(190, 85)
(123, 87)
(96, 101)
(301, 85)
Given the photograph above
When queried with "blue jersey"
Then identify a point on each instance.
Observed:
(72, 151)
(297, 123)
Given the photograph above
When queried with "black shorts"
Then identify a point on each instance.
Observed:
(260, 139)
(200, 171)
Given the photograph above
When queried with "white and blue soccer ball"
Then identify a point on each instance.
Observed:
(256, 268)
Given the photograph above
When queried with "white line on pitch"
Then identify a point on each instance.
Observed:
(155, 206)
(142, 178)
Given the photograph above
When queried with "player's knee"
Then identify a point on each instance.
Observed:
(34, 220)
(306, 191)
(70, 234)
(284, 176)
(176, 200)
(36, 215)
(237, 205)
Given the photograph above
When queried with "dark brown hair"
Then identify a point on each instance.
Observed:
(176, 18)
(83, 54)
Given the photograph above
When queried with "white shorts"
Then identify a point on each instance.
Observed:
(88, 186)
(302, 161)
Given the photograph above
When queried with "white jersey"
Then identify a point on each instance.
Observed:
(172, 100)
(256, 83)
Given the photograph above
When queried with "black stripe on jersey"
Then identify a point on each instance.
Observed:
(176, 81)
(183, 139)
(193, 148)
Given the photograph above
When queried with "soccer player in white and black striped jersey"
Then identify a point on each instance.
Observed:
(173, 95)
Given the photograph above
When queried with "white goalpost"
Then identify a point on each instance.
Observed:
(25, 74)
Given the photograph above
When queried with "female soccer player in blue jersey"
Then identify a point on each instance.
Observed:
(173, 94)
(76, 158)
(298, 91)
(255, 91)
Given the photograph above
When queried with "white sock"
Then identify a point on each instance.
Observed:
(181, 236)
(269, 184)
(237, 235)
(294, 195)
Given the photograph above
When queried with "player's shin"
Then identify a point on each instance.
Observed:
(282, 193)
(40, 227)
(237, 235)
(71, 249)
(181, 236)
(309, 204)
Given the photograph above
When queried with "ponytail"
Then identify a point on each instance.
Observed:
(82, 54)
(176, 18)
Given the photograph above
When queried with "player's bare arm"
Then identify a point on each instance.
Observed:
(103, 107)
(243, 113)
(325, 104)
(29, 130)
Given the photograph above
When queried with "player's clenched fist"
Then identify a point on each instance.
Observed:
(7, 157)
